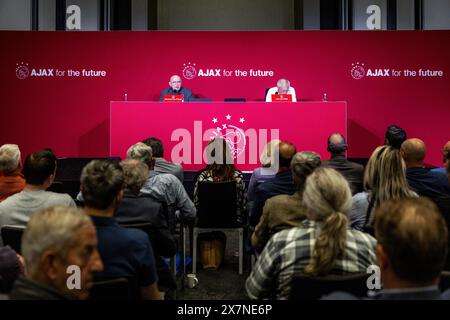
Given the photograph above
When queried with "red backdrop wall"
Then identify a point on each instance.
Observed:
(71, 113)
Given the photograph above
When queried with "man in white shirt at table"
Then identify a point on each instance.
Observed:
(283, 87)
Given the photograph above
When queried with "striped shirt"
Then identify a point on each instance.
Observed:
(289, 251)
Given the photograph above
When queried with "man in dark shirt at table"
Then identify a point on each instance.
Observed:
(282, 183)
(176, 88)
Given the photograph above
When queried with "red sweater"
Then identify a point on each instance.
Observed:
(11, 184)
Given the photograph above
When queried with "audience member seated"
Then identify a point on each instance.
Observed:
(220, 168)
(11, 178)
(352, 171)
(163, 187)
(286, 211)
(283, 87)
(125, 252)
(425, 182)
(394, 136)
(39, 169)
(11, 267)
(411, 250)
(322, 245)
(161, 164)
(282, 183)
(384, 179)
(445, 153)
(137, 207)
(263, 173)
(55, 239)
(176, 88)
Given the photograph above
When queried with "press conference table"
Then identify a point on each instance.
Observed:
(306, 124)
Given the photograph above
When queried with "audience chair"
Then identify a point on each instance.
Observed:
(305, 287)
(444, 283)
(12, 236)
(217, 212)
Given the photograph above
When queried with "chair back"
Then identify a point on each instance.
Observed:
(111, 289)
(444, 206)
(217, 205)
(12, 236)
(444, 283)
(305, 287)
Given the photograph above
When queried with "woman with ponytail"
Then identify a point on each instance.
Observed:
(323, 244)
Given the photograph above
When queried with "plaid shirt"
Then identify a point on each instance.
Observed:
(289, 251)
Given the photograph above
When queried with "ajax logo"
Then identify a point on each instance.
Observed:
(358, 71)
(189, 71)
(233, 136)
(22, 71)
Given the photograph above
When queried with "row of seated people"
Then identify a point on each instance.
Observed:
(301, 166)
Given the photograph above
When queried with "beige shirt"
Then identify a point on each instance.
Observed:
(279, 213)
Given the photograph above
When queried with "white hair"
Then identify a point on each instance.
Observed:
(9, 157)
(281, 80)
(53, 229)
(140, 151)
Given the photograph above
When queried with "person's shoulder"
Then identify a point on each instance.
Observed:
(362, 237)
(63, 197)
(11, 200)
(361, 197)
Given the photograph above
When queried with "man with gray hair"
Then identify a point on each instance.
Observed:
(286, 211)
(59, 246)
(163, 187)
(283, 87)
(352, 171)
(11, 178)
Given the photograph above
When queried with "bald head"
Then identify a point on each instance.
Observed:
(445, 151)
(175, 82)
(337, 144)
(287, 152)
(413, 152)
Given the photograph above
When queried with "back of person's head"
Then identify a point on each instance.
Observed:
(9, 158)
(39, 166)
(414, 239)
(156, 145)
(328, 198)
(268, 153)
(337, 144)
(220, 162)
(302, 165)
(395, 136)
(101, 183)
(56, 238)
(445, 151)
(286, 152)
(142, 152)
(135, 174)
(385, 176)
(413, 152)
